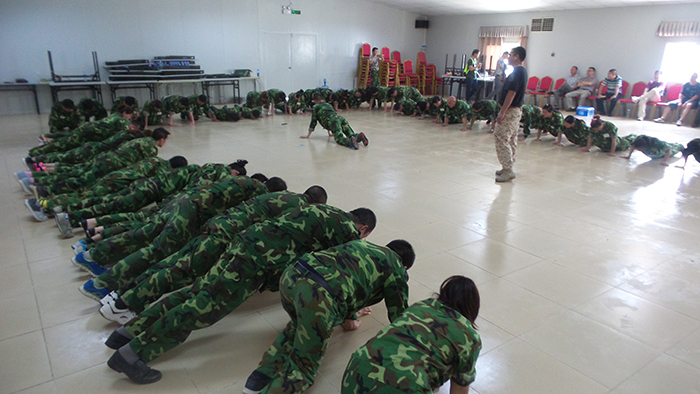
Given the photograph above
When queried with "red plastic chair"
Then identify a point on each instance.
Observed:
(637, 90)
(363, 77)
(672, 93)
(545, 85)
(408, 77)
(386, 53)
(366, 50)
(421, 59)
(531, 87)
(594, 94)
(396, 56)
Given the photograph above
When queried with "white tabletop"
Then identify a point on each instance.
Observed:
(75, 83)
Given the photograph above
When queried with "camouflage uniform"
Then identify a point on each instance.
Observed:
(98, 111)
(411, 93)
(120, 101)
(319, 292)
(417, 353)
(382, 96)
(295, 104)
(437, 111)
(171, 105)
(254, 261)
(274, 101)
(89, 150)
(605, 143)
(199, 255)
(308, 99)
(168, 231)
(146, 191)
(252, 100)
(93, 131)
(110, 183)
(324, 114)
(457, 113)
(60, 119)
(198, 110)
(155, 115)
(82, 176)
(408, 106)
(530, 114)
(578, 133)
(354, 102)
(553, 125)
(489, 111)
(658, 148)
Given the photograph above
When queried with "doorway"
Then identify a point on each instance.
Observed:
(289, 61)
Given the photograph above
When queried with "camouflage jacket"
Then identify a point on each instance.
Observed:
(252, 99)
(578, 133)
(421, 350)
(322, 113)
(119, 101)
(489, 111)
(272, 94)
(459, 111)
(657, 149)
(171, 105)
(155, 116)
(60, 118)
(360, 274)
(98, 110)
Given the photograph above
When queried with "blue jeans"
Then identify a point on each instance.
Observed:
(472, 85)
(600, 101)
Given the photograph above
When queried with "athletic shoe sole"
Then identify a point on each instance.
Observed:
(88, 294)
(39, 216)
(107, 311)
(25, 187)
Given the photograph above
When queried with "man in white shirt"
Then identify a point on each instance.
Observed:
(570, 84)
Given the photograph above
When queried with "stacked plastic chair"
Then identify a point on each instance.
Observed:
(396, 56)
(363, 78)
(408, 77)
(427, 76)
(388, 70)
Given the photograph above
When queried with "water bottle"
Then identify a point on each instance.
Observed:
(324, 84)
(258, 72)
(85, 77)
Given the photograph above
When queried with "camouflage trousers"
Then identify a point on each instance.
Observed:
(166, 233)
(186, 115)
(82, 176)
(360, 382)
(574, 137)
(57, 125)
(605, 143)
(293, 359)
(128, 200)
(506, 137)
(169, 322)
(341, 130)
(80, 154)
(374, 78)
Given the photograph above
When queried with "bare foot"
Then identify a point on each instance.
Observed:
(584, 149)
(364, 311)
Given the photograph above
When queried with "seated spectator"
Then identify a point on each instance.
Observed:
(569, 85)
(688, 99)
(614, 84)
(584, 87)
(653, 92)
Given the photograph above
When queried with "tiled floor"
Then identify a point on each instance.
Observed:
(588, 266)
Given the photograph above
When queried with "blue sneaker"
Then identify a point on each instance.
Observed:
(89, 290)
(79, 247)
(90, 266)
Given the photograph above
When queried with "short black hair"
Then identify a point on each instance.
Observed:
(436, 99)
(422, 105)
(334, 97)
(130, 101)
(316, 195)
(88, 105)
(276, 184)
(177, 161)
(281, 96)
(596, 122)
(375, 48)
(264, 96)
(520, 52)
(256, 113)
(157, 104)
(317, 96)
(404, 250)
(299, 94)
(576, 67)
(202, 98)
(184, 101)
(138, 123)
(478, 106)
(68, 103)
(592, 68)
(641, 142)
(397, 106)
(460, 293)
(391, 92)
(548, 107)
(476, 51)
(123, 109)
(692, 148)
(364, 216)
(571, 119)
(160, 133)
(239, 165)
(259, 177)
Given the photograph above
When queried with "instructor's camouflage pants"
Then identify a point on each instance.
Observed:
(506, 137)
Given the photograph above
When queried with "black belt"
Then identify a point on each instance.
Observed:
(308, 271)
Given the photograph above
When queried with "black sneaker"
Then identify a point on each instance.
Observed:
(363, 138)
(83, 224)
(29, 163)
(256, 383)
(353, 143)
(41, 191)
(139, 372)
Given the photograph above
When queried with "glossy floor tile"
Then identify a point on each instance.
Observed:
(588, 266)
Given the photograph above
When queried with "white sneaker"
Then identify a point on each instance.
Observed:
(678, 123)
(640, 119)
(659, 120)
(109, 297)
(111, 312)
(506, 175)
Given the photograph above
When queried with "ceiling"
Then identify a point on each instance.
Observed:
(463, 7)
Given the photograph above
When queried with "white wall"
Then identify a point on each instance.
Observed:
(621, 37)
(222, 34)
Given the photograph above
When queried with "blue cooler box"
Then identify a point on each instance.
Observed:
(585, 111)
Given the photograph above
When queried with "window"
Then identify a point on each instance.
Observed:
(508, 44)
(680, 61)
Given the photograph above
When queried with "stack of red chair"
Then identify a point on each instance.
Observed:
(363, 78)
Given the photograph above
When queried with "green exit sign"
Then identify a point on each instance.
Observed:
(296, 12)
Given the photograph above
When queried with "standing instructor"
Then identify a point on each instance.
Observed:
(508, 121)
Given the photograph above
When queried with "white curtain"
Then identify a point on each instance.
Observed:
(504, 31)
